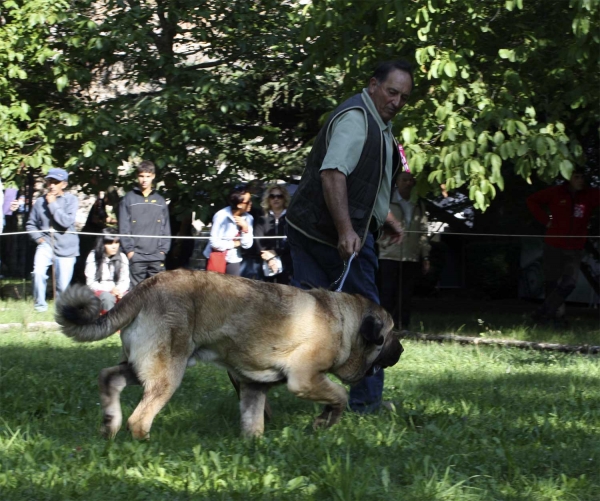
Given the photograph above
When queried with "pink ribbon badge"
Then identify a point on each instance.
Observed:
(405, 166)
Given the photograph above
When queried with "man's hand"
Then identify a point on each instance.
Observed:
(14, 205)
(40, 240)
(130, 255)
(273, 265)
(348, 244)
(393, 230)
(50, 198)
(336, 198)
(267, 254)
(426, 266)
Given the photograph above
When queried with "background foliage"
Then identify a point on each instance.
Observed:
(214, 89)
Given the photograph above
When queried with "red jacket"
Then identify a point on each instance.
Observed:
(570, 211)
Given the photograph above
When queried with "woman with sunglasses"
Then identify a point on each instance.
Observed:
(275, 252)
(107, 269)
(232, 230)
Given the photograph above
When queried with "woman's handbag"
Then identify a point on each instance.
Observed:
(216, 261)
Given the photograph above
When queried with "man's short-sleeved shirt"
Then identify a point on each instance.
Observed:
(348, 136)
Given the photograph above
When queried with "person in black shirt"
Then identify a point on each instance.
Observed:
(144, 212)
(274, 253)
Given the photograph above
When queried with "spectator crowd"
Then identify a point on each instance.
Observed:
(355, 201)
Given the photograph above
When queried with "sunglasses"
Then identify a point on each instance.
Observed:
(273, 195)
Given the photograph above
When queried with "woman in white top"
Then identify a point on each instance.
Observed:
(107, 269)
(232, 230)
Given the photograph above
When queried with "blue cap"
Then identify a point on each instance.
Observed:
(58, 174)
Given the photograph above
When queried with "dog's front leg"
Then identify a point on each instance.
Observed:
(252, 408)
(319, 388)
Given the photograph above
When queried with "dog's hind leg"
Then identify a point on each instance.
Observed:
(253, 397)
(236, 387)
(111, 382)
(160, 379)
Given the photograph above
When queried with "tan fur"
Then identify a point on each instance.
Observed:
(263, 334)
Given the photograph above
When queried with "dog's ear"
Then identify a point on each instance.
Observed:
(370, 329)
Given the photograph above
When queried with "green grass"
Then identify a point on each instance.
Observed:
(472, 423)
(17, 311)
(504, 320)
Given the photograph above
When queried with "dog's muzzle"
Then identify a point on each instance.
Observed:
(389, 355)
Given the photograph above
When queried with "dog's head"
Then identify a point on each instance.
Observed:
(375, 346)
(376, 330)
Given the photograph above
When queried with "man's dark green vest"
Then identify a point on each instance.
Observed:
(308, 211)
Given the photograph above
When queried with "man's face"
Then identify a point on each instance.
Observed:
(145, 180)
(577, 181)
(55, 187)
(390, 95)
(405, 183)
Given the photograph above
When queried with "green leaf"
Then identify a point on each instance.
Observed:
(479, 198)
(88, 149)
(511, 127)
(495, 161)
(450, 69)
(507, 54)
(540, 145)
(61, 82)
(566, 169)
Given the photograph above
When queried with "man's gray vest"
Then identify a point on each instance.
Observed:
(308, 211)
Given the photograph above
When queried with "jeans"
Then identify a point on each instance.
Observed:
(107, 300)
(319, 265)
(63, 272)
(251, 267)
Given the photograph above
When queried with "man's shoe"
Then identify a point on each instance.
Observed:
(40, 309)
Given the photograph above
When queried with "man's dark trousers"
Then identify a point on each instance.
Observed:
(319, 265)
(397, 281)
(140, 270)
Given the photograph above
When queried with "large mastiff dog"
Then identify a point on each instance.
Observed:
(262, 333)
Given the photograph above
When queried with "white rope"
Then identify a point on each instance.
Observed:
(52, 230)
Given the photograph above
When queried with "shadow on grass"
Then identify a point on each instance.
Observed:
(48, 387)
(493, 414)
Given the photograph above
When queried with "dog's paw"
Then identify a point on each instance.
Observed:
(110, 426)
(137, 432)
(327, 418)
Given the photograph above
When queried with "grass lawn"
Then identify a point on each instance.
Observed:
(472, 423)
(505, 319)
(16, 311)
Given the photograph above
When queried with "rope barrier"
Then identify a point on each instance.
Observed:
(177, 237)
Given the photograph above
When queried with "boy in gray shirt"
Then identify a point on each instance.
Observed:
(56, 210)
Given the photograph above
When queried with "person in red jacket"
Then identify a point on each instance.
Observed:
(565, 210)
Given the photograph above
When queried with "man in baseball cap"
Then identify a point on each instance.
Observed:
(58, 174)
(56, 210)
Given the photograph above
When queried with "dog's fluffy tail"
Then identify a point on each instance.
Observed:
(78, 310)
